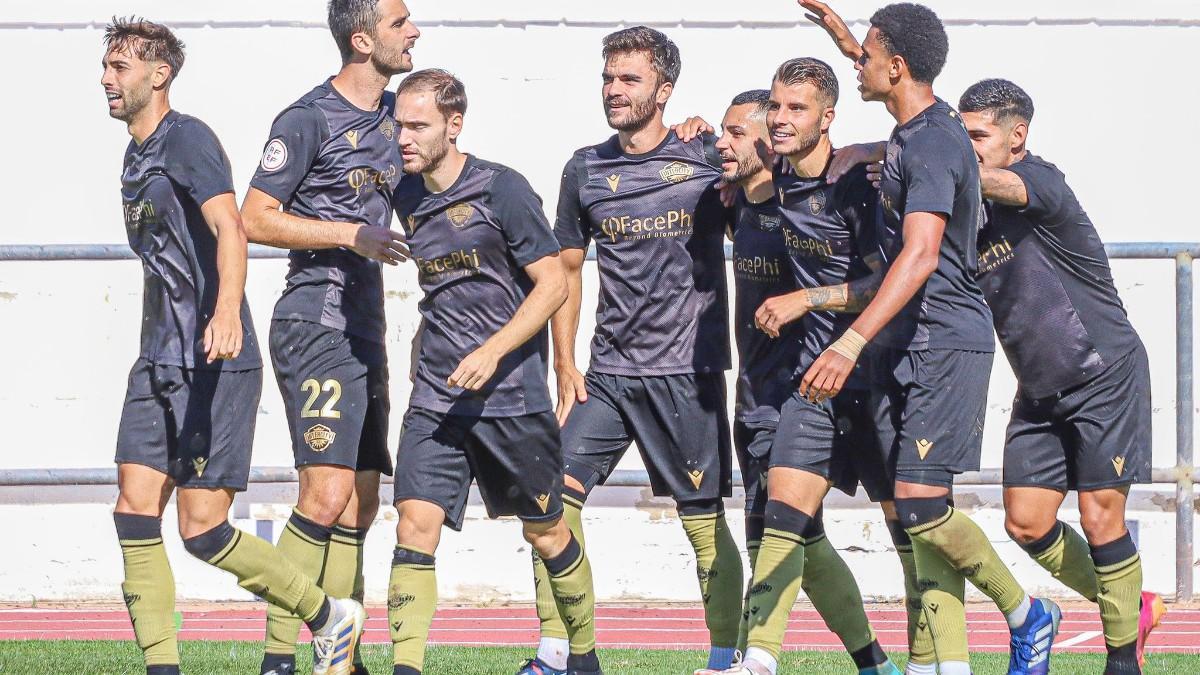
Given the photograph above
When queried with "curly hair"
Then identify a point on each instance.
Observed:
(916, 34)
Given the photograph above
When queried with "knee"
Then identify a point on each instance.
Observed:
(195, 524)
(548, 539)
(1102, 525)
(1025, 531)
(417, 530)
(325, 506)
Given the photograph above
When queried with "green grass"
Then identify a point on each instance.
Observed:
(223, 658)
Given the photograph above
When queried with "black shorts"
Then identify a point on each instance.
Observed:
(834, 439)
(752, 444)
(196, 426)
(680, 424)
(1093, 436)
(335, 393)
(929, 409)
(516, 463)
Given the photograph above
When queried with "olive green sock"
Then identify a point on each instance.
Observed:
(551, 624)
(412, 600)
(303, 542)
(719, 572)
(149, 587)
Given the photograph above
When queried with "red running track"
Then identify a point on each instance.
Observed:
(617, 626)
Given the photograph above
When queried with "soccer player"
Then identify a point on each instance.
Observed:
(661, 346)
(489, 266)
(1081, 416)
(331, 163)
(188, 421)
(931, 343)
(816, 240)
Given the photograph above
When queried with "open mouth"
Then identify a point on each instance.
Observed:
(113, 97)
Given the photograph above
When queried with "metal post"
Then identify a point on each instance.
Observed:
(1184, 406)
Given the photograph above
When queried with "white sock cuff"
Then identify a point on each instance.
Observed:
(553, 652)
(762, 657)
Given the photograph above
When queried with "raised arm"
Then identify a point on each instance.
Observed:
(1003, 187)
(820, 14)
(266, 224)
(549, 292)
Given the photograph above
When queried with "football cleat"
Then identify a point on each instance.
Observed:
(333, 644)
(1029, 645)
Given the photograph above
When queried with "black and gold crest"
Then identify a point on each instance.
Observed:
(459, 214)
(816, 202)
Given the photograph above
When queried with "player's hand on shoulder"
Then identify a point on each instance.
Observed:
(571, 390)
(475, 369)
(691, 128)
(223, 336)
(875, 173)
(382, 244)
(848, 157)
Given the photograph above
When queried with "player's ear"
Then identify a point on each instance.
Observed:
(827, 116)
(160, 76)
(664, 92)
(896, 66)
(1018, 135)
(362, 43)
(454, 126)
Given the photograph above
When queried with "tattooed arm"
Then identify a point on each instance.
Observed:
(850, 298)
(1003, 187)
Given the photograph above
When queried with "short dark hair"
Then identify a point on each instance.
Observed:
(759, 98)
(813, 71)
(1002, 99)
(664, 55)
(915, 33)
(448, 91)
(146, 40)
(347, 17)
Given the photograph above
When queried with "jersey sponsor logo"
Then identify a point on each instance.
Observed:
(757, 268)
(352, 136)
(924, 446)
(613, 181)
(676, 172)
(319, 437)
(995, 254)
(696, 477)
(769, 222)
(1118, 463)
(807, 247)
(543, 502)
(138, 214)
(816, 202)
(459, 260)
(570, 600)
(671, 224)
(363, 176)
(459, 213)
(275, 155)
(388, 128)
(199, 464)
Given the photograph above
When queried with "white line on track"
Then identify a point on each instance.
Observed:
(1082, 637)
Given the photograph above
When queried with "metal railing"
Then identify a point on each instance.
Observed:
(1183, 474)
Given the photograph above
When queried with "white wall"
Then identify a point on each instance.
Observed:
(1115, 112)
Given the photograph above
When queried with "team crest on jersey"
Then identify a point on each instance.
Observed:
(768, 222)
(613, 181)
(459, 214)
(319, 437)
(388, 128)
(676, 172)
(352, 136)
(816, 202)
(275, 155)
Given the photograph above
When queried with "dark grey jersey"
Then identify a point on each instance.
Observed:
(761, 271)
(1046, 277)
(829, 232)
(164, 183)
(659, 226)
(328, 160)
(471, 243)
(931, 167)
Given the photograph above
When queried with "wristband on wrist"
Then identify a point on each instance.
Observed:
(849, 345)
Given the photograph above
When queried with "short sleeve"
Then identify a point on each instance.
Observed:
(861, 210)
(1046, 188)
(296, 137)
(711, 154)
(518, 210)
(570, 223)
(930, 169)
(196, 162)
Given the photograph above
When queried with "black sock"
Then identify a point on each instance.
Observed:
(586, 662)
(404, 670)
(1123, 660)
(280, 663)
(870, 656)
(172, 669)
(321, 618)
